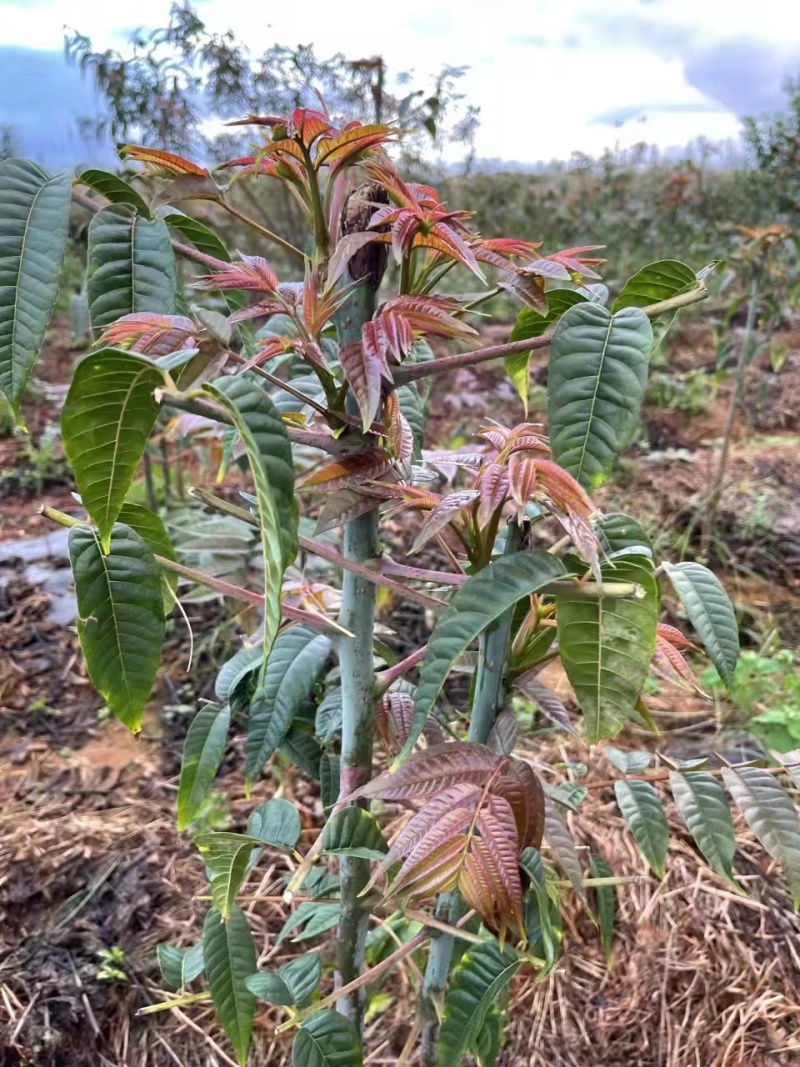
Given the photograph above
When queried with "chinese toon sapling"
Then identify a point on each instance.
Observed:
(317, 386)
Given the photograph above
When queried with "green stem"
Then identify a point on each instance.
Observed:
(359, 544)
(489, 692)
(405, 274)
(486, 703)
(429, 278)
(318, 212)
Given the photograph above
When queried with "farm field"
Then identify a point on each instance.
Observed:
(400, 539)
(87, 831)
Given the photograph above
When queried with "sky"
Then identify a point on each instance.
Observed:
(550, 76)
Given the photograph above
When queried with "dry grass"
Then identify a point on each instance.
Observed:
(89, 859)
(700, 978)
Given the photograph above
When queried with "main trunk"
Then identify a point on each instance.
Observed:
(360, 543)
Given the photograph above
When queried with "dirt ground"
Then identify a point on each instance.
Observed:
(90, 858)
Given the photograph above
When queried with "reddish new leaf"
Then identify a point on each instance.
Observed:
(494, 488)
(394, 714)
(562, 488)
(461, 795)
(503, 734)
(445, 240)
(675, 637)
(522, 789)
(336, 151)
(253, 273)
(257, 311)
(432, 770)
(160, 162)
(579, 265)
(150, 333)
(344, 252)
(344, 506)
(496, 854)
(545, 700)
(430, 315)
(442, 515)
(546, 268)
(309, 125)
(364, 373)
(436, 869)
(498, 251)
(668, 660)
(360, 467)
(522, 477)
(399, 434)
(274, 346)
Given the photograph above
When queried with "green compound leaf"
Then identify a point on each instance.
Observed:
(654, 283)
(230, 958)
(227, 857)
(276, 823)
(559, 838)
(771, 815)
(596, 384)
(531, 324)
(620, 533)
(108, 416)
(354, 832)
(153, 532)
(314, 916)
(710, 612)
(130, 266)
(702, 804)
(302, 749)
(606, 645)
(34, 212)
(327, 1039)
(116, 190)
(232, 673)
(120, 617)
(179, 966)
(480, 977)
(478, 603)
(202, 237)
(269, 453)
(202, 756)
(641, 808)
(293, 983)
(296, 662)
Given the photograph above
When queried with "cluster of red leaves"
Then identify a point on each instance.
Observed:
(394, 716)
(309, 139)
(479, 810)
(513, 465)
(389, 337)
(528, 280)
(416, 218)
(668, 659)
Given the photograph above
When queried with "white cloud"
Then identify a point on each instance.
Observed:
(541, 71)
